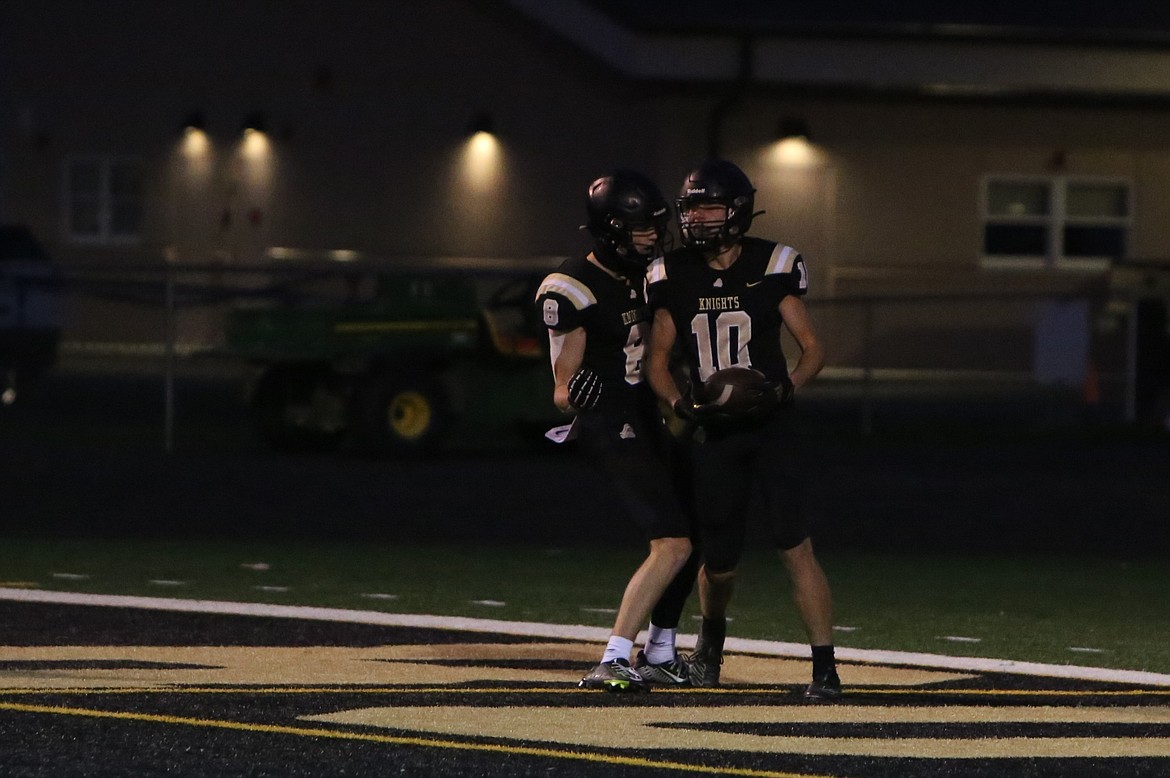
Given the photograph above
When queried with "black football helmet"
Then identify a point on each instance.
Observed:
(718, 182)
(619, 205)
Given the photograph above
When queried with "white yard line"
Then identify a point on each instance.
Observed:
(577, 632)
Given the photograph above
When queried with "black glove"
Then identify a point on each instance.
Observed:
(786, 392)
(697, 413)
(585, 389)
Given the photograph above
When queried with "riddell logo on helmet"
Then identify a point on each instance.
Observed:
(701, 190)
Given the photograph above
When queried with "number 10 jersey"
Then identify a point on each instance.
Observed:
(729, 318)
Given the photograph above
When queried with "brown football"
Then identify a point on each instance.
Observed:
(738, 390)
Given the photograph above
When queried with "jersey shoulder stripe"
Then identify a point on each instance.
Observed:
(657, 271)
(782, 260)
(572, 289)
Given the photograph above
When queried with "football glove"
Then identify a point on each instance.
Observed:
(697, 413)
(785, 392)
(585, 389)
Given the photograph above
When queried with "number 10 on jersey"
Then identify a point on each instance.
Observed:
(731, 328)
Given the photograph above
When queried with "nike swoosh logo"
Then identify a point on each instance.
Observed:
(754, 283)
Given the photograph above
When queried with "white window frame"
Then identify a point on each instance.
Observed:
(1054, 222)
(105, 235)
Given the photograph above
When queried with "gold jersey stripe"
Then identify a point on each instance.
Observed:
(782, 259)
(656, 272)
(576, 292)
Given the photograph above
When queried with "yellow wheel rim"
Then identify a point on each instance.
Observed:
(409, 414)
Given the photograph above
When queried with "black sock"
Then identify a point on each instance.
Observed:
(823, 660)
(713, 633)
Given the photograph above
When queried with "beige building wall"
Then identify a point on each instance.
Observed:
(367, 130)
(366, 123)
(905, 178)
(889, 204)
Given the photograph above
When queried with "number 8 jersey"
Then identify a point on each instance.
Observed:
(729, 318)
(613, 313)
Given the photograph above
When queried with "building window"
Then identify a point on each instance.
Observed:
(103, 200)
(1055, 221)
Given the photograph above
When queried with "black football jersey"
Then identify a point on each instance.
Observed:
(728, 318)
(613, 313)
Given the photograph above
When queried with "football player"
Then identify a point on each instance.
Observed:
(724, 298)
(595, 309)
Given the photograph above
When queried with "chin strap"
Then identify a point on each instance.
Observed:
(611, 260)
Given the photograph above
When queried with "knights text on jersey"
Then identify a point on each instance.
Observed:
(728, 318)
(613, 313)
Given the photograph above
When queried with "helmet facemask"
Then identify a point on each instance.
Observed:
(706, 233)
(633, 254)
(715, 184)
(618, 207)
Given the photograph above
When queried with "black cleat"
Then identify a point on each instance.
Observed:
(824, 688)
(703, 665)
(673, 673)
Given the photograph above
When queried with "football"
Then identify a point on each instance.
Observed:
(738, 390)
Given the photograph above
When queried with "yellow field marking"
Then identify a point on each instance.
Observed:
(851, 692)
(401, 741)
(648, 728)
(94, 690)
(373, 665)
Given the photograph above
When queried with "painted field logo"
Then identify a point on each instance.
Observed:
(440, 691)
(423, 693)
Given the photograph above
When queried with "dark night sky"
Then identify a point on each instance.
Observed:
(1130, 20)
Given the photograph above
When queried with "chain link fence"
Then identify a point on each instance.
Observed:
(1097, 354)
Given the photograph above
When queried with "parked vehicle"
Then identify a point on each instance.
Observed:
(427, 360)
(30, 310)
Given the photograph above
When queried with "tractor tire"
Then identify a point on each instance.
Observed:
(398, 413)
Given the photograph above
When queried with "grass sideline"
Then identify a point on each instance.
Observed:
(1057, 610)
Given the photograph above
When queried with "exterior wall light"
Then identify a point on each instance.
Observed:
(794, 127)
(482, 121)
(194, 123)
(255, 122)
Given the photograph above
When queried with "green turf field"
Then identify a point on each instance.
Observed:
(1061, 610)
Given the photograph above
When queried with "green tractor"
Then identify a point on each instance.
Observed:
(427, 361)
